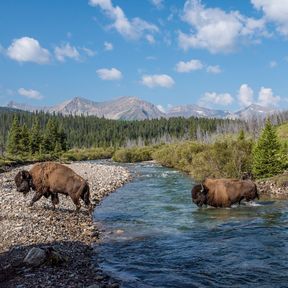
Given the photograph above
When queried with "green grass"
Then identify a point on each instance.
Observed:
(282, 132)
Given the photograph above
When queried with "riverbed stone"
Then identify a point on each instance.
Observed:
(35, 257)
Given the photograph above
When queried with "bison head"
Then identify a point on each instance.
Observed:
(23, 181)
(199, 195)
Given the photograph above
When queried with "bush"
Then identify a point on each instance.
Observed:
(87, 154)
(132, 155)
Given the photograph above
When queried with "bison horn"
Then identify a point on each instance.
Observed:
(202, 188)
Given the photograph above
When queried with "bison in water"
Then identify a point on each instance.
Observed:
(49, 179)
(223, 192)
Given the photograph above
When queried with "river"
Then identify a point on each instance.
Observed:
(155, 237)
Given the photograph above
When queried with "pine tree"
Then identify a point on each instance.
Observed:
(36, 137)
(266, 153)
(50, 136)
(24, 142)
(14, 137)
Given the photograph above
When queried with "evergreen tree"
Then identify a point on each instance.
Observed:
(35, 138)
(14, 137)
(50, 137)
(24, 143)
(266, 153)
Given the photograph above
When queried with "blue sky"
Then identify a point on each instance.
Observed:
(220, 54)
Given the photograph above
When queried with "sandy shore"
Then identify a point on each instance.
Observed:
(71, 235)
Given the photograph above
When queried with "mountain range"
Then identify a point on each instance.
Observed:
(133, 108)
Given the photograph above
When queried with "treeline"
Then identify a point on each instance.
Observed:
(90, 131)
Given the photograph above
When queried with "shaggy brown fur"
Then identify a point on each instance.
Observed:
(223, 192)
(49, 179)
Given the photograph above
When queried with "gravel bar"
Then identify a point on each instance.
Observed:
(70, 234)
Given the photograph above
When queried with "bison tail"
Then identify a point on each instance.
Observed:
(85, 196)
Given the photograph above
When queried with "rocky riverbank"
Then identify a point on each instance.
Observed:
(66, 238)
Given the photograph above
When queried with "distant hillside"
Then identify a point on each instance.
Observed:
(196, 111)
(282, 132)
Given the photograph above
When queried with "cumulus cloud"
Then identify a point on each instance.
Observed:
(27, 49)
(214, 69)
(161, 80)
(158, 3)
(273, 64)
(66, 51)
(266, 97)
(216, 30)
(133, 29)
(89, 52)
(274, 11)
(212, 98)
(109, 74)
(150, 38)
(30, 93)
(245, 95)
(192, 65)
(108, 46)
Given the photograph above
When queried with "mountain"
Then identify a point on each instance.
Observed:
(133, 108)
(196, 111)
(126, 108)
(253, 111)
(25, 107)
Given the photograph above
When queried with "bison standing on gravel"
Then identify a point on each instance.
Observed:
(49, 179)
(223, 192)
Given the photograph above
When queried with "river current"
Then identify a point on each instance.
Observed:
(156, 237)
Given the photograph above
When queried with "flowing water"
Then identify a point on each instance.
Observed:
(156, 237)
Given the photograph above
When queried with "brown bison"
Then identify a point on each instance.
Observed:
(223, 192)
(49, 179)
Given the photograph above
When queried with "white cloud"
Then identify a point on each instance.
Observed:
(216, 30)
(133, 29)
(273, 64)
(158, 3)
(150, 38)
(109, 74)
(274, 11)
(89, 52)
(151, 58)
(192, 65)
(245, 95)
(29, 93)
(27, 49)
(214, 69)
(161, 80)
(266, 97)
(210, 98)
(108, 46)
(66, 51)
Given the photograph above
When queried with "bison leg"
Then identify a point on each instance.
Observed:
(35, 198)
(77, 203)
(54, 199)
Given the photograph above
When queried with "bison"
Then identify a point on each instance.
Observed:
(223, 192)
(49, 179)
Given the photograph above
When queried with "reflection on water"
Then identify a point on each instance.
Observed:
(156, 237)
